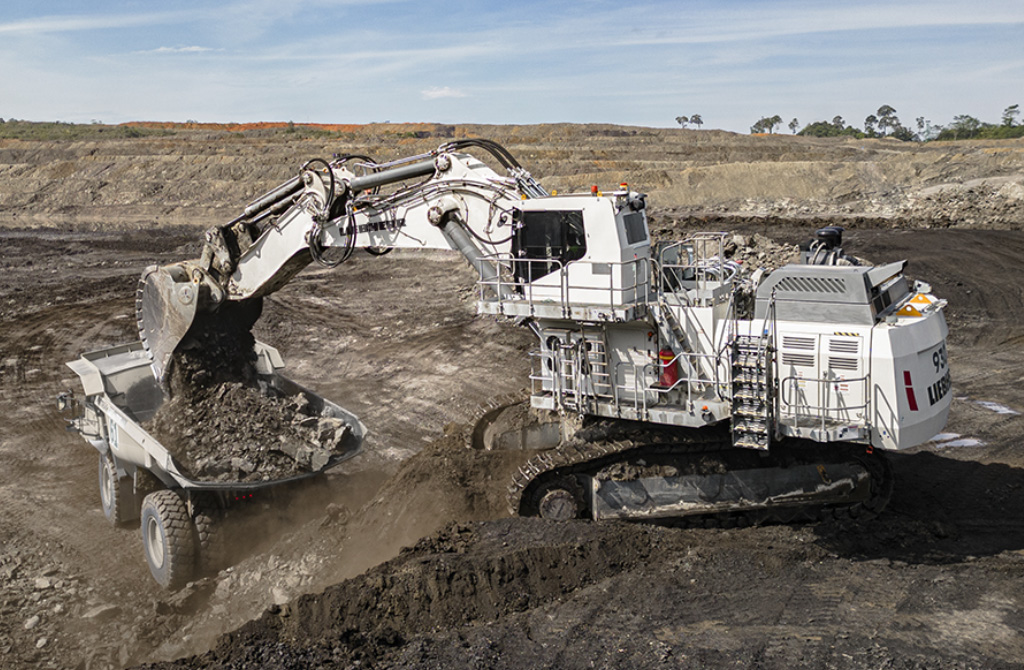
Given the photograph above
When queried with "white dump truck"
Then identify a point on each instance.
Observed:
(140, 479)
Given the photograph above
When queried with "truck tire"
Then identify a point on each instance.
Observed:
(168, 539)
(117, 507)
(211, 547)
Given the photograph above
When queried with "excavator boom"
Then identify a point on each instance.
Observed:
(454, 202)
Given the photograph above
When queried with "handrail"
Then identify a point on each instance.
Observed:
(708, 268)
(615, 295)
(772, 336)
(664, 284)
(691, 382)
(825, 411)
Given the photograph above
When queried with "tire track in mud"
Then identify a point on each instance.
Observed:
(809, 619)
(48, 484)
(44, 340)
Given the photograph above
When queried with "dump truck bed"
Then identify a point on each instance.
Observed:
(121, 394)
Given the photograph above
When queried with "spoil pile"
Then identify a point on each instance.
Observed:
(223, 423)
(758, 250)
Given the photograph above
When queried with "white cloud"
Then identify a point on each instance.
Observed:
(442, 92)
(178, 50)
(59, 24)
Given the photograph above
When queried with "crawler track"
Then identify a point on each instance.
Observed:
(695, 452)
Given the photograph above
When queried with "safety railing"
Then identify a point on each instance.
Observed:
(696, 262)
(548, 281)
(627, 386)
(664, 284)
(832, 406)
(693, 384)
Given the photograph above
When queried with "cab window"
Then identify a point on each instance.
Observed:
(544, 242)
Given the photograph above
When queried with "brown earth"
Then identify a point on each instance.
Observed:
(204, 173)
(936, 581)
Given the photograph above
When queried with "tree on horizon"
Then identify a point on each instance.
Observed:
(1010, 115)
(766, 124)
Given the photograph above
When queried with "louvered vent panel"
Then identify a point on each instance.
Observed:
(792, 342)
(798, 360)
(840, 363)
(812, 284)
(844, 346)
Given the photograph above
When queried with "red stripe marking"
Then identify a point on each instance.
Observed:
(910, 391)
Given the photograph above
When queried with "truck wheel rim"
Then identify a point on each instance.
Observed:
(155, 543)
(106, 486)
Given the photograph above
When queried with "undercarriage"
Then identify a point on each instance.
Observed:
(628, 470)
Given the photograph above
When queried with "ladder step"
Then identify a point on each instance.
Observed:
(751, 392)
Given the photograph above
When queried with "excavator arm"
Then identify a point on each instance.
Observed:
(445, 199)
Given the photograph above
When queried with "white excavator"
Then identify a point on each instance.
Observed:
(668, 381)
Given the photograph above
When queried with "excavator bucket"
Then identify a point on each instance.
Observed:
(165, 307)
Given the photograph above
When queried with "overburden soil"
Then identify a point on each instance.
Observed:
(405, 557)
(703, 177)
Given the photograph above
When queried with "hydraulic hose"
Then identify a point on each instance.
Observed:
(502, 154)
(315, 248)
(269, 199)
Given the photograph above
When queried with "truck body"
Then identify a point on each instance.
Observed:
(119, 395)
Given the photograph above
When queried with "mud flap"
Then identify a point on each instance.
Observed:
(737, 491)
(126, 489)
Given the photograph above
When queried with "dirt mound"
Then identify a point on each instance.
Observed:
(465, 573)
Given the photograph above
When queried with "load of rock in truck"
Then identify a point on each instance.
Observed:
(181, 499)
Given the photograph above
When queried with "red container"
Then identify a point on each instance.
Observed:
(669, 368)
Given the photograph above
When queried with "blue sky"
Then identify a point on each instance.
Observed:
(635, 63)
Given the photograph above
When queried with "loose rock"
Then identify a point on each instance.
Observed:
(224, 423)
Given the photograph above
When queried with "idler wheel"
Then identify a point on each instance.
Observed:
(561, 500)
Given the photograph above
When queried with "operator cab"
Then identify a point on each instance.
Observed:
(546, 241)
(582, 249)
